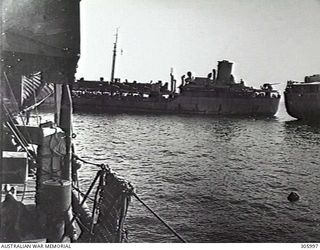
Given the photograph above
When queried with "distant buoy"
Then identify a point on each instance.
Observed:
(293, 196)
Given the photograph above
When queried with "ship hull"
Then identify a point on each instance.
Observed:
(179, 105)
(303, 106)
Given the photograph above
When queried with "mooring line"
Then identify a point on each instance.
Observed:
(159, 218)
(91, 163)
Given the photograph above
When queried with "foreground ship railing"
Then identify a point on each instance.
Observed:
(113, 195)
(110, 205)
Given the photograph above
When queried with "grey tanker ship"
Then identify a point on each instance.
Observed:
(216, 94)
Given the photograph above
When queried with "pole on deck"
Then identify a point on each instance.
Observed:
(66, 125)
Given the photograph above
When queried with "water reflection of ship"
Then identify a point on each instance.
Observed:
(302, 99)
(216, 94)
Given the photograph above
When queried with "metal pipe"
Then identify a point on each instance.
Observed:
(95, 203)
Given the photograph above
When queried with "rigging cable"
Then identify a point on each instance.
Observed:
(159, 218)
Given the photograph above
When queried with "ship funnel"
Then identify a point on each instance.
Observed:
(224, 71)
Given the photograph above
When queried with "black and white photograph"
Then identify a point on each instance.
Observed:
(160, 121)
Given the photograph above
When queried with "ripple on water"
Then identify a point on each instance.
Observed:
(213, 179)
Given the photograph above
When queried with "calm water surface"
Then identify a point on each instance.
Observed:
(213, 179)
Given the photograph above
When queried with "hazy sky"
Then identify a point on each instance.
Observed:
(268, 40)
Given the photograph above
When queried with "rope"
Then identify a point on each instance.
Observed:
(103, 166)
(79, 221)
(159, 218)
(82, 193)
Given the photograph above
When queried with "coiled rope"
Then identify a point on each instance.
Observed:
(134, 194)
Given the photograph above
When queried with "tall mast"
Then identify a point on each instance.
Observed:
(114, 56)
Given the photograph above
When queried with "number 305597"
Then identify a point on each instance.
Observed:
(309, 246)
